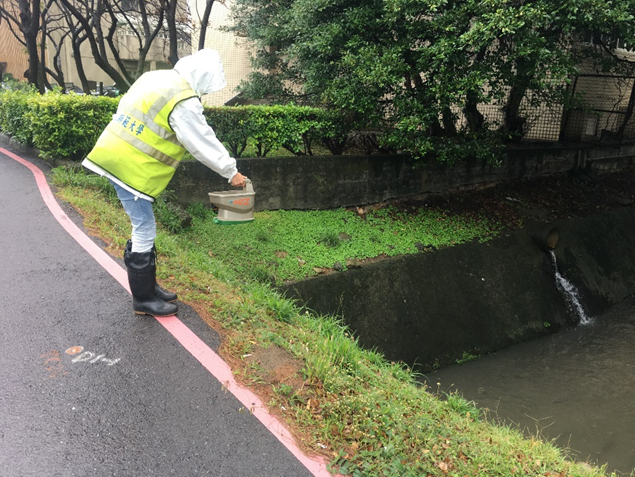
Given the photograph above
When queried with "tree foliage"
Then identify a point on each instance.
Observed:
(422, 70)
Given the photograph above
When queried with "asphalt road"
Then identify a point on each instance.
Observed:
(87, 388)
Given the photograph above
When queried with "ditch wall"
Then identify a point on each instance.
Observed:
(325, 182)
(432, 309)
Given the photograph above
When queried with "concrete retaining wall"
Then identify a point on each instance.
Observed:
(325, 182)
(341, 181)
(430, 308)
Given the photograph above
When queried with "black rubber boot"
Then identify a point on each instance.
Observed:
(164, 295)
(142, 279)
(160, 293)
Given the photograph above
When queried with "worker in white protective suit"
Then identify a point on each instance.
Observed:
(157, 120)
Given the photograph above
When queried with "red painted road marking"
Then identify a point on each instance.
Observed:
(192, 343)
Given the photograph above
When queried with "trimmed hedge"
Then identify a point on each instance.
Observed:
(68, 125)
(269, 128)
(59, 125)
(14, 106)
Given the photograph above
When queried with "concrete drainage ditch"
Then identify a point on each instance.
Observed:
(430, 309)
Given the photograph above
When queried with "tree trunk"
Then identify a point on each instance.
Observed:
(513, 123)
(76, 43)
(170, 7)
(30, 26)
(449, 124)
(110, 41)
(41, 71)
(204, 23)
(475, 119)
(146, 34)
(97, 44)
(58, 73)
(619, 135)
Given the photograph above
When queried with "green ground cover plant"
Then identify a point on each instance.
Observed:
(291, 245)
(365, 415)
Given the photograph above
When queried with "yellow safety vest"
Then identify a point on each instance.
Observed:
(139, 147)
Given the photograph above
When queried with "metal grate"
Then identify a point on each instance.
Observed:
(542, 118)
(606, 99)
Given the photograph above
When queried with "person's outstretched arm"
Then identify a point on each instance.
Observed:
(193, 132)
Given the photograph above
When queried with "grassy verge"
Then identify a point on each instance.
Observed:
(366, 415)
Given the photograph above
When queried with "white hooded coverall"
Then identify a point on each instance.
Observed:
(204, 72)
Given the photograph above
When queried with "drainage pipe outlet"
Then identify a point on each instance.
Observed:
(552, 239)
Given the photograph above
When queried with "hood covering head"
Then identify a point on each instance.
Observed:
(203, 71)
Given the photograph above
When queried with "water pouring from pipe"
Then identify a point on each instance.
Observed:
(567, 289)
(570, 294)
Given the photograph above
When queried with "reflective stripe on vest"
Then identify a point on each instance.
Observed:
(139, 147)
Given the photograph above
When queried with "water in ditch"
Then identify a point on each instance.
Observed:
(576, 387)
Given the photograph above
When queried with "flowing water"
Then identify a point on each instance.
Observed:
(569, 293)
(576, 387)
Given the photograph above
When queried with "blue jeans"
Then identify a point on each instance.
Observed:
(144, 226)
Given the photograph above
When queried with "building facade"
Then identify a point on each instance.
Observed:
(234, 51)
(13, 57)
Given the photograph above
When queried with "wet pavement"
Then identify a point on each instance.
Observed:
(87, 388)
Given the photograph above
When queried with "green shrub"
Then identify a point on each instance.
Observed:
(232, 126)
(335, 130)
(14, 106)
(68, 125)
(9, 82)
(268, 128)
(274, 128)
(330, 127)
(271, 128)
